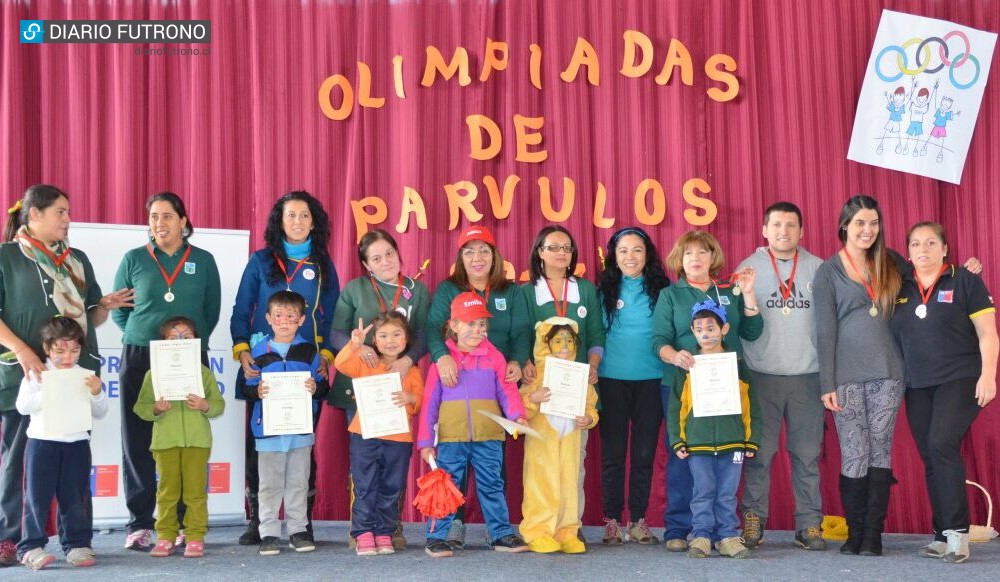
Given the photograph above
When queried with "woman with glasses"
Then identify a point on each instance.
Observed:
(383, 288)
(554, 291)
(479, 269)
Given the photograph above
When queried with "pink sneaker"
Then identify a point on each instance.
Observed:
(162, 549)
(194, 549)
(8, 553)
(140, 540)
(383, 545)
(366, 545)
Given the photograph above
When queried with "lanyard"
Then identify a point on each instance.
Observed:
(395, 299)
(169, 280)
(560, 309)
(926, 295)
(486, 293)
(58, 260)
(786, 290)
(288, 278)
(869, 288)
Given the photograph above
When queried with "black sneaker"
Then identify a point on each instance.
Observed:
(251, 536)
(269, 546)
(810, 539)
(510, 543)
(438, 549)
(301, 542)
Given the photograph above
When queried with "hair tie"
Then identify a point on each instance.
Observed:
(16, 207)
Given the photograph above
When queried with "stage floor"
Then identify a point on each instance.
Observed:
(776, 560)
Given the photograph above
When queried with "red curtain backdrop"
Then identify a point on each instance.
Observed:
(234, 130)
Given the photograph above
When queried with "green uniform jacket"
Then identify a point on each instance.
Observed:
(672, 320)
(586, 313)
(197, 293)
(358, 299)
(180, 426)
(510, 329)
(25, 305)
(713, 435)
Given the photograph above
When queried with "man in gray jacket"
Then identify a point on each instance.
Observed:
(786, 375)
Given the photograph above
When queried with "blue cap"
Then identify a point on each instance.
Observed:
(709, 305)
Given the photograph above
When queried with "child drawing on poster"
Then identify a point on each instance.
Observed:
(942, 116)
(896, 106)
(919, 106)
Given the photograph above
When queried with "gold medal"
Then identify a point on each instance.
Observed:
(785, 310)
(168, 297)
(873, 311)
(736, 290)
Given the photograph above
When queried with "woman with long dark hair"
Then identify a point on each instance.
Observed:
(170, 277)
(41, 276)
(296, 257)
(630, 381)
(860, 366)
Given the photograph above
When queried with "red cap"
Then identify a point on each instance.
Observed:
(476, 233)
(468, 307)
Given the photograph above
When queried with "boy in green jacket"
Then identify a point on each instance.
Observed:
(713, 440)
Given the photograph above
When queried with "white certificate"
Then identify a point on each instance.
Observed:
(65, 402)
(567, 381)
(378, 414)
(288, 406)
(176, 368)
(715, 385)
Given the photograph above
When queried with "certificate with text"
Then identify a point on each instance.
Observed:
(288, 406)
(175, 367)
(715, 385)
(65, 402)
(567, 382)
(378, 414)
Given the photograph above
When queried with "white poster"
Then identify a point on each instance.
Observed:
(921, 96)
(105, 244)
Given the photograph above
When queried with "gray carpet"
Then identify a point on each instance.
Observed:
(776, 560)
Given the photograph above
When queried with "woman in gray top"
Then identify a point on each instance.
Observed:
(861, 369)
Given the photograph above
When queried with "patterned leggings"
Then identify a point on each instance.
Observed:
(866, 423)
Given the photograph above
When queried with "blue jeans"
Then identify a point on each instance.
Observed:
(486, 458)
(677, 516)
(713, 506)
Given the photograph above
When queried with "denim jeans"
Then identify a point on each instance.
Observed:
(713, 506)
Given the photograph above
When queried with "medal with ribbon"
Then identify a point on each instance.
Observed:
(925, 294)
(169, 295)
(783, 288)
(866, 282)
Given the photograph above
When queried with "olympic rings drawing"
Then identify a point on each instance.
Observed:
(923, 56)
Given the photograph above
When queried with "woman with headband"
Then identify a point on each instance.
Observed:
(630, 381)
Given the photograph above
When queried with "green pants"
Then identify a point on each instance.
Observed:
(183, 475)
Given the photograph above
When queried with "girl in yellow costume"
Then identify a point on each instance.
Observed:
(552, 463)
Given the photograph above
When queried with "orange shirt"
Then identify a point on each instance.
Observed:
(349, 363)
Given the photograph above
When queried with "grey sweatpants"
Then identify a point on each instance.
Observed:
(283, 476)
(866, 423)
(794, 399)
